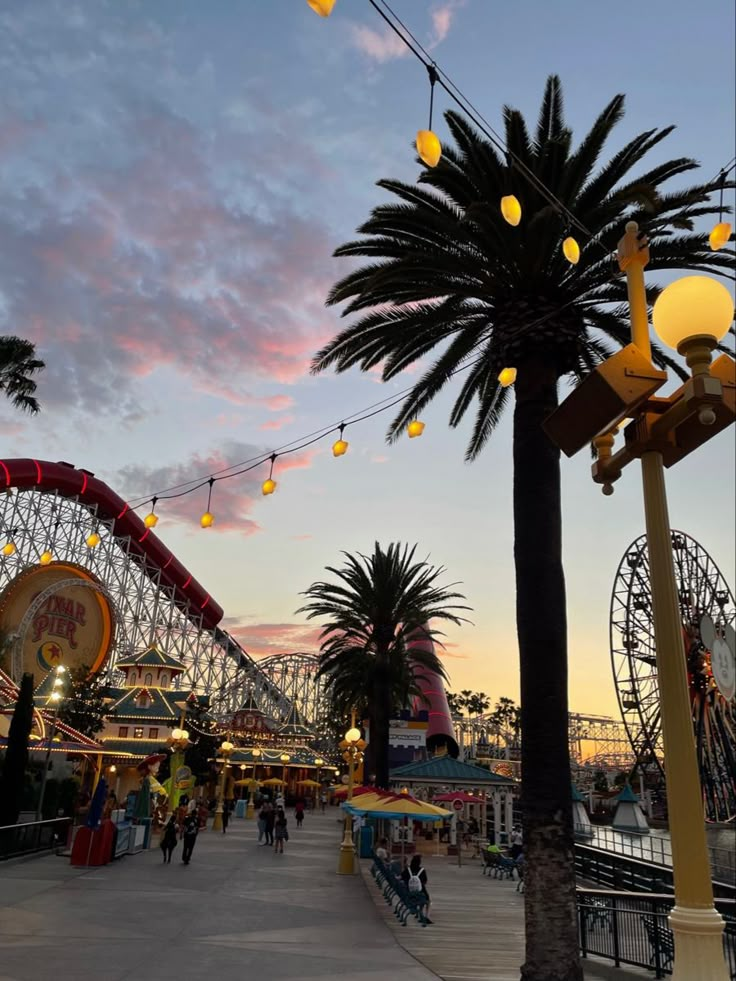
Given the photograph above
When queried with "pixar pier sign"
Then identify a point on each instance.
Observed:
(73, 626)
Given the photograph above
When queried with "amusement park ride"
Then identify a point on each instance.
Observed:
(64, 530)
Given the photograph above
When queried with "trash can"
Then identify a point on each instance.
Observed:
(241, 806)
(366, 842)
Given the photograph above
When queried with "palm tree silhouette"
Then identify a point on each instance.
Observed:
(17, 364)
(444, 271)
(378, 603)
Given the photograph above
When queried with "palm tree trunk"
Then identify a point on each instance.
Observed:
(552, 952)
(380, 728)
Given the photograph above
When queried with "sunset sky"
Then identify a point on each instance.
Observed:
(175, 176)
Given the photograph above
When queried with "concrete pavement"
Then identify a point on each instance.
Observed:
(237, 911)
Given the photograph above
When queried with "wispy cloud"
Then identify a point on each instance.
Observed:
(275, 424)
(234, 501)
(263, 639)
(385, 45)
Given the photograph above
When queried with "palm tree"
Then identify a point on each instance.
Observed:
(445, 271)
(379, 603)
(17, 364)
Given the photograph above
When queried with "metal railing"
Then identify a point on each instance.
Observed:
(33, 836)
(658, 850)
(634, 929)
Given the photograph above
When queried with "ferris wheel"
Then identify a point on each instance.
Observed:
(707, 613)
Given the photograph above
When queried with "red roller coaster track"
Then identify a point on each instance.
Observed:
(71, 482)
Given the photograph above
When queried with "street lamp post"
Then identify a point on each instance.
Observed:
(250, 809)
(284, 760)
(55, 697)
(178, 741)
(226, 749)
(692, 315)
(352, 746)
(319, 763)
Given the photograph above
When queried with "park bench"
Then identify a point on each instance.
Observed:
(661, 943)
(397, 895)
(497, 865)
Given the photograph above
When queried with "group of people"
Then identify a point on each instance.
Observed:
(184, 828)
(414, 875)
(273, 826)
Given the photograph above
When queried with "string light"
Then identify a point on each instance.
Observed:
(507, 377)
(151, 519)
(322, 7)
(571, 250)
(721, 232)
(93, 539)
(9, 548)
(511, 209)
(415, 428)
(208, 518)
(340, 447)
(46, 557)
(269, 485)
(428, 145)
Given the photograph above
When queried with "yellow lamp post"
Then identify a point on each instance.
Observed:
(178, 741)
(319, 763)
(284, 760)
(352, 746)
(691, 315)
(250, 809)
(55, 698)
(226, 749)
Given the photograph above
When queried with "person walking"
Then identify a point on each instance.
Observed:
(281, 831)
(270, 820)
(169, 838)
(189, 835)
(299, 813)
(262, 824)
(517, 842)
(225, 815)
(415, 877)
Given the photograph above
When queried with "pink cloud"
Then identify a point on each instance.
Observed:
(381, 47)
(301, 538)
(386, 45)
(378, 458)
(276, 424)
(264, 639)
(233, 500)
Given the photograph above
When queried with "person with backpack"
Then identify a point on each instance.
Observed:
(415, 877)
(189, 835)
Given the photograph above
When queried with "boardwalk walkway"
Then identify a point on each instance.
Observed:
(477, 933)
(238, 911)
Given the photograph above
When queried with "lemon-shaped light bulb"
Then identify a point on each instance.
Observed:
(93, 540)
(511, 209)
(429, 147)
(322, 7)
(150, 520)
(571, 250)
(268, 487)
(46, 557)
(720, 235)
(8, 548)
(207, 519)
(415, 428)
(507, 377)
(339, 447)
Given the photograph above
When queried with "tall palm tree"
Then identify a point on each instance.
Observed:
(17, 364)
(445, 272)
(378, 604)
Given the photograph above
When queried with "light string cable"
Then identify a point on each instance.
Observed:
(302, 442)
(464, 103)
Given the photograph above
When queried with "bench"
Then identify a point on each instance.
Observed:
(497, 865)
(397, 895)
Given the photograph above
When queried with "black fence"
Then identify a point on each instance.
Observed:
(35, 836)
(620, 872)
(635, 930)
